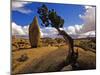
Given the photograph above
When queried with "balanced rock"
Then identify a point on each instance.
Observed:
(34, 33)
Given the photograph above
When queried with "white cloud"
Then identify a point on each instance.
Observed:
(48, 32)
(45, 32)
(86, 29)
(16, 4)
(19, 6)
(87, 7)
(74, 29)
(19, 30)
(41, 33)
(87, 34)
(52, 32)
(71, 30)
(25, 29)
(89, 19)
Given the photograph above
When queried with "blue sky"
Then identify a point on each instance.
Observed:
(70, 13)
(78, 19)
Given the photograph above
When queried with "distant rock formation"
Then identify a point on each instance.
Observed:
(34, 33)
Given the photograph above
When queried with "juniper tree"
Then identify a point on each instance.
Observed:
(49, 17)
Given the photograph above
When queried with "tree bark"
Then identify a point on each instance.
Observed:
(67, 39)
(72, 55)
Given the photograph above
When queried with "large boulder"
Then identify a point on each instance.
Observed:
(34, 33)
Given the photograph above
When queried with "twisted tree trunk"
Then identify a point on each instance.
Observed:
(67, 39)
(72, 55)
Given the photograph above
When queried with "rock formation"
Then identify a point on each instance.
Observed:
(34, 33)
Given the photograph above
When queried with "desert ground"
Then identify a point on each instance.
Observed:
(50, 57)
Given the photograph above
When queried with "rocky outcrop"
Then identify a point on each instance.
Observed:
(34, 33)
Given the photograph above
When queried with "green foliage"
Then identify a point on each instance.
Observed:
(50, 17)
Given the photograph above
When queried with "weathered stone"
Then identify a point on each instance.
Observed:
(67, 68)
(34, 33)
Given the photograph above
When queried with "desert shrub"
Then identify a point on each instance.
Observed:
(92, 45)
(22, 58)
(59, 40)
(88, 44)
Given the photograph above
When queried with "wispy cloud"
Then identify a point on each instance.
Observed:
(20, 7)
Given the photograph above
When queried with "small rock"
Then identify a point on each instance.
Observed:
(67, 68)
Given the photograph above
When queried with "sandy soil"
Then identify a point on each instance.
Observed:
(49, 59)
